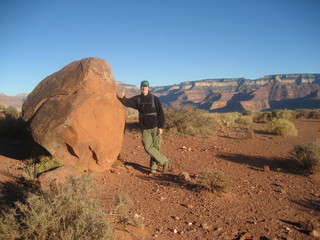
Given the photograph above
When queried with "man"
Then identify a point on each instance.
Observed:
(151, 120)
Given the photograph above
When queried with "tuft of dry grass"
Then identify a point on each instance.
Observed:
(33, 168)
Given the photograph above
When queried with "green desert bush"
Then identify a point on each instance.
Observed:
(283, 127)
(188, 120)
(306, 158)
(33, 168)
(214, 181)
(60, 212)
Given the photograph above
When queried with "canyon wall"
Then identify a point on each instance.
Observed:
(282, 91)
(286, 91)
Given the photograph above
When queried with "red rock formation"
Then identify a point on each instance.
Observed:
(289, 91)
(75, 115)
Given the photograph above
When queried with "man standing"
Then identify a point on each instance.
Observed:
(151, 120)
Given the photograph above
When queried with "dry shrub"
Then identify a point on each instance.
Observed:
(263, 117)
(249, 133)
(283, 127)
(314, 114)
(188, 120)
(228, 119)
(244, 120)
(306, 158)
(33, 168)
(11, 111)
(121, 211)
(266, 117)
(131, 114)
(283, 114)
(307, 113)
(61, 212)
(2, 108)
(214, 181)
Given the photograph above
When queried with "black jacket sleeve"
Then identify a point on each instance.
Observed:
(129, 102)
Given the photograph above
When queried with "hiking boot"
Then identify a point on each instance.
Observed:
(165, 166)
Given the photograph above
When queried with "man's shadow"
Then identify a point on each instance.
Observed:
(138, 167)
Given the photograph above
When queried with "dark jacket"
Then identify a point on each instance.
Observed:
(150, 110)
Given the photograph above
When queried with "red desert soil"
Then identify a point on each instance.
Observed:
(260, 204)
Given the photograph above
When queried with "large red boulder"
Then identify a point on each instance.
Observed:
(76, 116)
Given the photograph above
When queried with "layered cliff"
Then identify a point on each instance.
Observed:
(290, 91)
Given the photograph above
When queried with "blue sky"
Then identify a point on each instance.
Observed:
(163, 41)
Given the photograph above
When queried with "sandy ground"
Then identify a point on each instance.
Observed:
(259, 204)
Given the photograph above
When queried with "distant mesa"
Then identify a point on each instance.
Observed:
(281, 91)
(285, 91)
(14, 101)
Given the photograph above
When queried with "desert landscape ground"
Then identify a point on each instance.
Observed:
(260, 204)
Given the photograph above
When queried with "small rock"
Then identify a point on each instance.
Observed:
(162, 199)
(184, 176)
(315, 233)
(189, 206)
(176, 218)
(266, 168)
(245, 236)
(283, 191)
(204, 226)
(309, 225)
(218, 229)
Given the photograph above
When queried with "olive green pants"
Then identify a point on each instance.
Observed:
(152, 142)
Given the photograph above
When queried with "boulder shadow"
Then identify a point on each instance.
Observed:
(294, 225)
(167, 179)
(275, 164)
(309, 204)
(16, 140)
(264, 132)
(21, 148)
(16, 191)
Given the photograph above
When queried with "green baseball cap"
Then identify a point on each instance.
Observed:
(144, 83)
